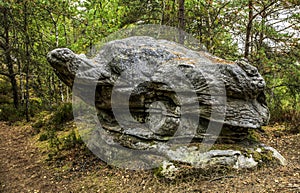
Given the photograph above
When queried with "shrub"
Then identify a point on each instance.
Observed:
(9, 113)
(63, 114)
(43, 137)
(289, 117)
(71, 140)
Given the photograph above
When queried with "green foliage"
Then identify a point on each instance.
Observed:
(9, 113)
(62, 114)
(212, 24)
(57, 129)
(67, 139)
(282, 75)
(43, 137)
(253, 136)
(71, 140)
(274, 50)
(220, 25)
(290, 117)
(54, 141)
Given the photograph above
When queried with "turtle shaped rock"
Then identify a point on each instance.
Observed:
(164, 101)
(150, 74)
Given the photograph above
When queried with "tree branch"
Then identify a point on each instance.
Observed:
(219, 11)
(4, 74)
(261, 11)
(2, 45)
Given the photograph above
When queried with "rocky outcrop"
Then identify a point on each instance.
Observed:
(148, 92)
(232, 92)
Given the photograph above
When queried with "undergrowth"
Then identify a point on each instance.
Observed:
(58, 130)
(290, 118)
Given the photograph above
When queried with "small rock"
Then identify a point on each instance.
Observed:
(168, 170)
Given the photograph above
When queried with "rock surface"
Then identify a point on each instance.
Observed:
(151, 94)
(150, 74)
(245, 158)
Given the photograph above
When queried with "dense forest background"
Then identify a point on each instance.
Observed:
(266, 32)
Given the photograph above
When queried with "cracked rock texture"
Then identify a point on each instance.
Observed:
(163, 83)
(149, 91)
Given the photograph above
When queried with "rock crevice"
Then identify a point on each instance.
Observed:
(152, 91)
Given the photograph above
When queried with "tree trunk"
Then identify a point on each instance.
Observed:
(13, 81)
(162, 19)
(21, 84)
(209, 25)
(27, 59)
(181, 21)
(249, 29)
(9, 62)
(50, 89)
(68, 95)
(61, 91)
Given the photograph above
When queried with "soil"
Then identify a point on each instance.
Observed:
(24, 168)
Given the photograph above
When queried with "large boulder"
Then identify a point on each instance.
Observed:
(148, 89)
(156, 66)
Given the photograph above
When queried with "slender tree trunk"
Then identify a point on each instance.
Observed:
(8, 59)
(27, 59)
(181, 21)
(56, 34)
(55, 94)
(249, 29)
(50, 90)
(68, 95)
(65, 32)
(13, 82)
(209, 25)
(260, 64)
(27, 91)
(21, 83)
(55, 23)
(61, 91)
(162, 19)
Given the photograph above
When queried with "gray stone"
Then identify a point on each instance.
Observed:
(157, 95)
(246, 158)
(227, 93)
(276, 155)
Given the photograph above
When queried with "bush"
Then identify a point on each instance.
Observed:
(289, 117)
(63, 114)
(9, 113)
(71, 140)
(35, 106)
(43, 137)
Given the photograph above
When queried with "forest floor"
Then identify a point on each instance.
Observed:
(23, 168)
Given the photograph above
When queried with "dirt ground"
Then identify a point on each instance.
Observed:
(23, 168)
